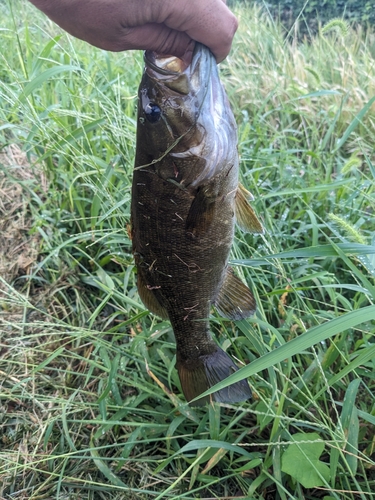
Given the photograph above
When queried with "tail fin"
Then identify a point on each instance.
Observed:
(200, 374)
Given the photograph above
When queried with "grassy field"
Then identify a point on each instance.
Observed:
(90, 401)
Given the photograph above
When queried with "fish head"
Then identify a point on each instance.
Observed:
(184, 114)
(170, 99)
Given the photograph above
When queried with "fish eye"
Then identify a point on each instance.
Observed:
(152, 112)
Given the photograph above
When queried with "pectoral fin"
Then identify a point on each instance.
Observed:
(148, 298)
(235, 300)
(245, 215)
(201, 213)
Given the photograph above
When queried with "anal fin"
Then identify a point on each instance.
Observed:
(245, 215)
(148, 298)
(235, 300)
(200, 374)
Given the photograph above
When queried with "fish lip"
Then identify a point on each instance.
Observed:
(149, 58)
(201, 55)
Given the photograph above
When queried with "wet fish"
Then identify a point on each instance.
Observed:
(185, 198)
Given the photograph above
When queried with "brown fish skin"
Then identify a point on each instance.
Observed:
(183, 201)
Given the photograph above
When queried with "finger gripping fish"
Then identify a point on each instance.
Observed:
(185, 198)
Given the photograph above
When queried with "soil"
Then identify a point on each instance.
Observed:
(18, 244)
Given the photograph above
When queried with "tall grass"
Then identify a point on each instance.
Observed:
(91, 402)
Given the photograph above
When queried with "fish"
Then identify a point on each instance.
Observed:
(185, 200)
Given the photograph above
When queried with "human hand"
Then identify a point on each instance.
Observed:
(165, 26)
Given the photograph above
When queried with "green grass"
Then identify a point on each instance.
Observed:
(90, 402)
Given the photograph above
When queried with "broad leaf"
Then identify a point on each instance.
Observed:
(301, 460)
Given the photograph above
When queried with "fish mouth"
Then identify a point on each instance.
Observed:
(181, 74)
(165, 64)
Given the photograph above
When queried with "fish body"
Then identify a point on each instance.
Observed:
(185, 188)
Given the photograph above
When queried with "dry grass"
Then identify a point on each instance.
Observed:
(18, 248)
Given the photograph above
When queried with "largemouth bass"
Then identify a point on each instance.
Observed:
(185, 196)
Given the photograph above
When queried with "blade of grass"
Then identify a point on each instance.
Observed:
(43, 77)
(305, 341)
(354, 124)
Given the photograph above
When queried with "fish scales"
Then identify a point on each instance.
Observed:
(185, 188)
(181, 271)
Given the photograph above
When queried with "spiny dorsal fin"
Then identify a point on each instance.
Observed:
(148, 298)
(201, 213)
(235, 300)
(200, 374)
(245, 215)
